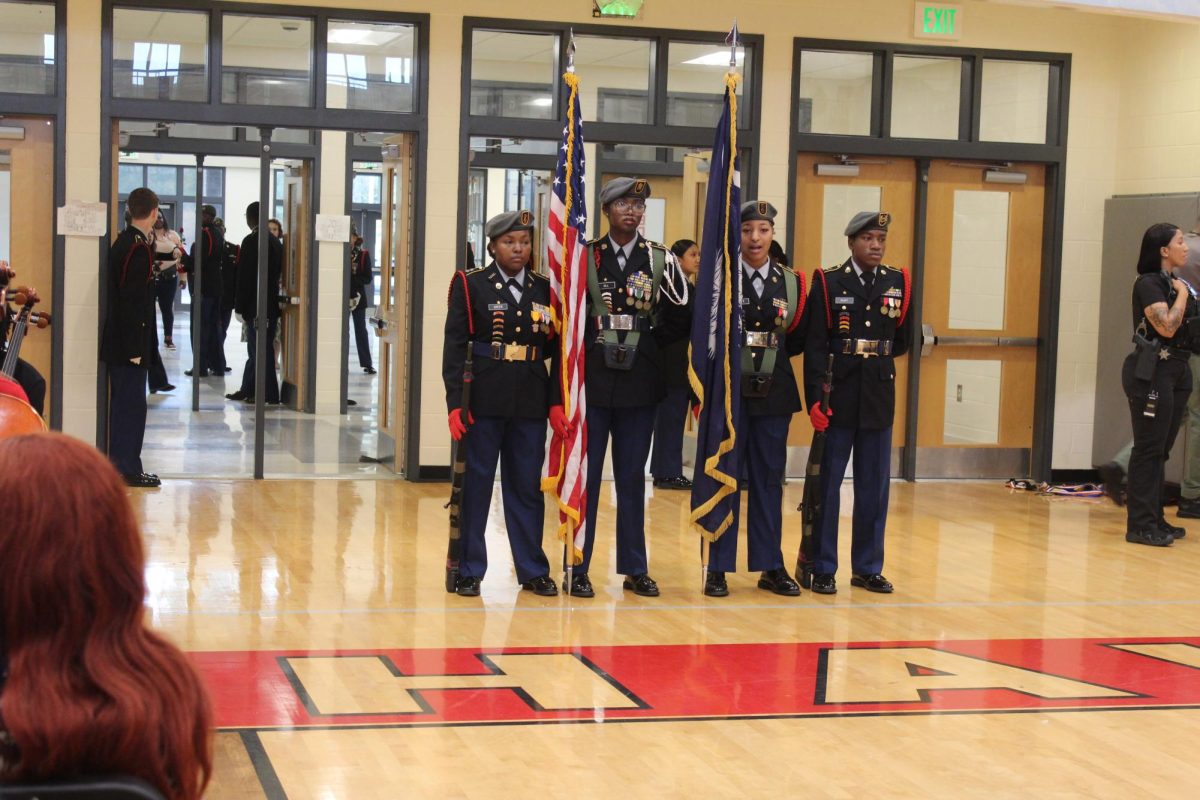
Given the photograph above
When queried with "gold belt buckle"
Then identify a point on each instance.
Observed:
(514, 352)
(865, 348)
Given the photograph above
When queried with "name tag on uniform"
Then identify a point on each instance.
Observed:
(844, 301)
(608, 286)
(498, 307)
(745, 300)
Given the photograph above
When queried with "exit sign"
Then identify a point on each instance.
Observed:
(938, 21)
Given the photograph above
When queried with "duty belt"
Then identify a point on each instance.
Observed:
(507, 352)
(623, 322)
(865, 347)
(761, 339)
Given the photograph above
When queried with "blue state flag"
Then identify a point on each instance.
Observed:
(715, 352)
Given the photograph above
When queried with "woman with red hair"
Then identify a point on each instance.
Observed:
(85, 687)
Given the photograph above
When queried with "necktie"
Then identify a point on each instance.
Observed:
(868, 279)
(514, 289)
(621, 258)
(756, 283)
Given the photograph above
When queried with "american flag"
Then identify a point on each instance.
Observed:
(565, 472)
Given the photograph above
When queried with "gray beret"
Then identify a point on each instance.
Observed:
(507, 222)
(869, 221)
(758, 209)
(624, 187)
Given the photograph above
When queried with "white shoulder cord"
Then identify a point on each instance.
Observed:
(674, 283)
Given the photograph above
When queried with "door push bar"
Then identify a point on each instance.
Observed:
(929, 340)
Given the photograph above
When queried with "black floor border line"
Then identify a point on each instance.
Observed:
(267, 777)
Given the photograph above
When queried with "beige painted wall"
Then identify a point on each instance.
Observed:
(1120, 75)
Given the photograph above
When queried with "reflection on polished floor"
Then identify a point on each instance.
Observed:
(218, 440)
(1028, 651)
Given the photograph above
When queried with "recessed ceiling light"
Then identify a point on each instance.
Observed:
(719, 58)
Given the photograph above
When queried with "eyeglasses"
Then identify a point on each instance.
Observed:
(626, 204)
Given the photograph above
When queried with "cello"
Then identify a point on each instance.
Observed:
(16, 415)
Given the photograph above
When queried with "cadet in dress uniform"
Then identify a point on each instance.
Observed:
(503, 313)
(637, 301)
(772, 311)
(857, 312)
(128, 340)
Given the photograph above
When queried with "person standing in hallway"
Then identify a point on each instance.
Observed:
(212, 340)
(772, 313)
(502, 313)
(126, 344)
(168, 250)
(246, 304)
(362, 285)
(638, 301)
(858, 312)
(666, 457)
(229, 262)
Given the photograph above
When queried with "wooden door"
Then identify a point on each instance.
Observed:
(394, 308)
(296, 271)
(824, 206)
(27, 227)
(983, 263)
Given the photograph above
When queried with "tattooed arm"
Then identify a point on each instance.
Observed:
(1167, 320)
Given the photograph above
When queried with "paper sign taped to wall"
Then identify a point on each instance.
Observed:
(83, 219)
(333, 228)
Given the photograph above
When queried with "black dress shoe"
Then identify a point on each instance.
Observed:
(642, 585)
(715, 585)
(1113, 478)
(542, 585)
(238, 395)
(872, 583)
(166, 387)
(229, 369)
(369, 370)
(467, 587)
(1175, 531)
(1188, 509)
(1153, 537)
(824, 583)
(679, 482)
(779, 582)
(142, 480)
(203, 373)
(581, 586)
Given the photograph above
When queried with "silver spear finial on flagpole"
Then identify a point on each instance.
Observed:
(571, 50)
(732, 41)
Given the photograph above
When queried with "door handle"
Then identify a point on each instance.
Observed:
(929, 340)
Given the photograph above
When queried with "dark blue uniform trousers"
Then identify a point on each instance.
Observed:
(520, 446)
(361, 341)
(762, 456)
(666, 461)
(126, 417)
(872, 482)
(212, 337)
(252, 351)
(630, 429)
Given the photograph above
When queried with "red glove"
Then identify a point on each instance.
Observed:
(457, 429)
(559, 422)
(820, 420)
(696, 412)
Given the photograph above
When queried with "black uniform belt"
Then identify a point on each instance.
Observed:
(760, 339)
(624, 322)
(1178, 353)
(507, 352)
(865, 347)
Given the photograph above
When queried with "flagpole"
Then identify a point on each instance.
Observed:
(569, 539)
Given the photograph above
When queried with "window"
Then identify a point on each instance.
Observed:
(130, 177)
(27, 48)
(266, 61)
(160, 55)
(619, 70)
(926, 92)
(367, 190)
(370, 66)
(1013, 101)
(836, 92)
(696, 83)
(512, 74)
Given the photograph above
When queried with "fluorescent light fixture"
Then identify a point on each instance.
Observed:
(719, 58)
(1004, 176)
(837, 170)
(12, 132)
(542, 102)
(350, 36)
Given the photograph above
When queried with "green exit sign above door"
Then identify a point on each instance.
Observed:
(938, 21)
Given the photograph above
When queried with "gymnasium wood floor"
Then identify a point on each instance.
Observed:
(1028, 652)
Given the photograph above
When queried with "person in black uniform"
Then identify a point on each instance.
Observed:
(246, 304)
(857, 312)
(228, 288)
(502, 312)
(1156, 378)
(772, 311)
(212, 339)
(126, 344)
(362, 282)
(637, 301)
(666, 456)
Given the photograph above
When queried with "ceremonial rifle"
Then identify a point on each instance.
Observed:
(459, 477)
(810, 504)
